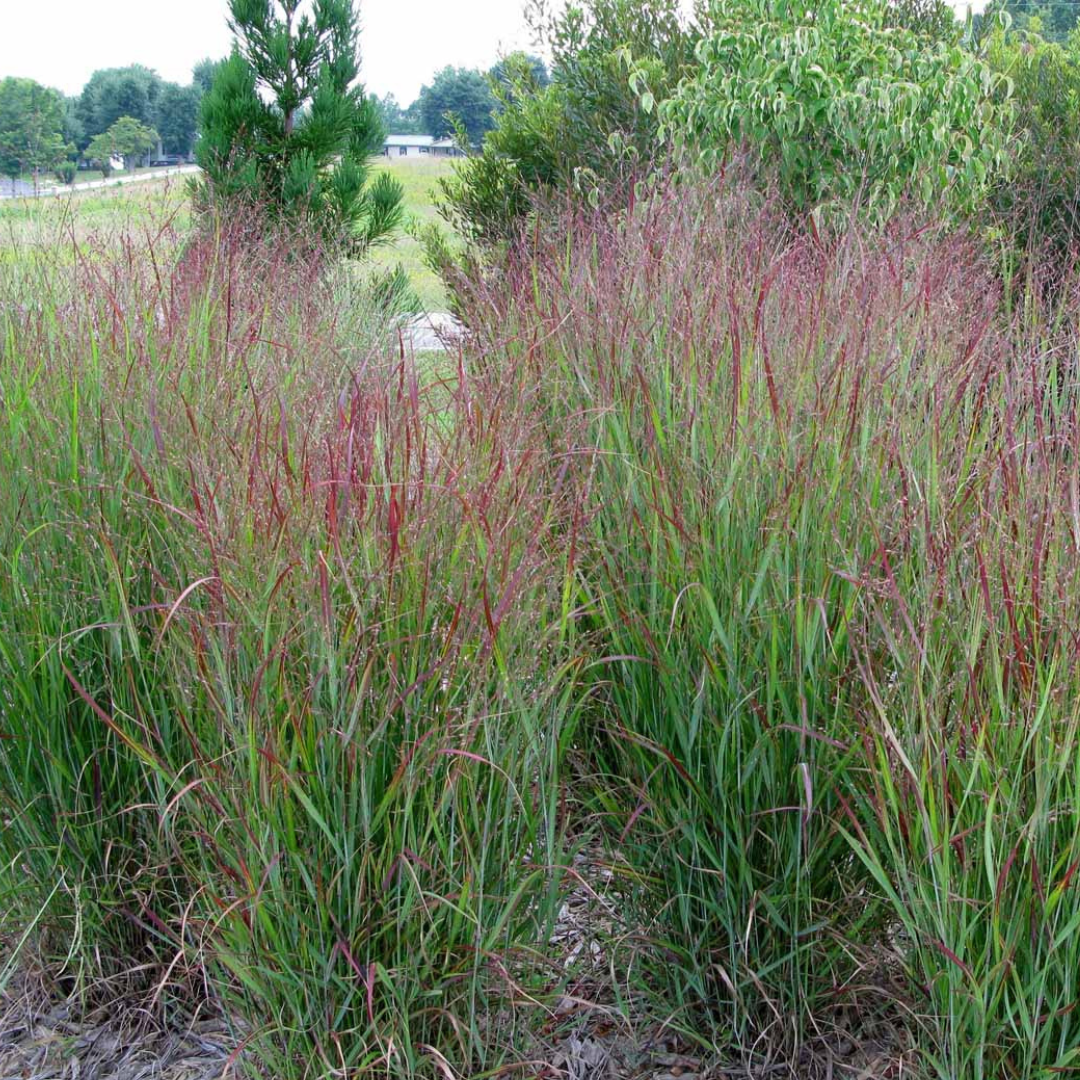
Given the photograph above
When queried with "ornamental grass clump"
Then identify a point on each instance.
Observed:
(828, 577)
(969, 815)
(737, 558)
(273, 724)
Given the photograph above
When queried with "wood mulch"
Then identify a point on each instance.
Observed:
(588, 1038)
(584, 1037)
(44, 1038)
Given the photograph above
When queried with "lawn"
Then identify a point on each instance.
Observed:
(53, 221)
(420, 177)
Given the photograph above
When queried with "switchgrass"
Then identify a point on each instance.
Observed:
(970, 817)
(258, 627)
(830, 578)
(749, 553)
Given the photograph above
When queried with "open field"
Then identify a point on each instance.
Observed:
(90, 176)
(156, 204)
(419, 176)
(48, 223)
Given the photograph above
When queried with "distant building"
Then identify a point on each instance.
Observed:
(446, 148)
(406, 145)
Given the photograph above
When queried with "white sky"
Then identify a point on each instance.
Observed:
(402, 43)
(61, 42)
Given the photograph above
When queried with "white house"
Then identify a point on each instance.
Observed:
(446, 148)
(406, 145)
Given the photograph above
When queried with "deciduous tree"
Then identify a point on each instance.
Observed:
(115, 92)
(100, 152)
(457, 94)
(398, 120)
(31, 127)
(127, 138)
(178, 117)
(202, 74)
(1053, 20)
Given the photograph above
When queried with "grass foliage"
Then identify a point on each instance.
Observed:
(257, 644)
(749, 557)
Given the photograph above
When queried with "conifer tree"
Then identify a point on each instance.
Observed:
(287, 127)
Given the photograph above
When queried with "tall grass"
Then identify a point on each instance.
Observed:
(268, 584)
(752, 551)
(831, 587)
(970, 819)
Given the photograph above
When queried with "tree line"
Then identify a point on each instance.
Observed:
(127, 112)
(121, 112)
(460, 99)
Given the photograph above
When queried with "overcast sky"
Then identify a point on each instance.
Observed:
(60, 42)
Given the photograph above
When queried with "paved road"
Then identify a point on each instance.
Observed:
(19, 189)
(14, 189)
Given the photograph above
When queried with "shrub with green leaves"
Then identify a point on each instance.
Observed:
(586, 127)
(840, 106)
(1040, 204)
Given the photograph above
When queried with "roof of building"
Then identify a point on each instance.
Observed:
(409, 140)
